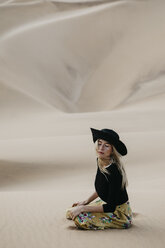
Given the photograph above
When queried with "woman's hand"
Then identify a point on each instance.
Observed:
(76, 211)
(80, 203)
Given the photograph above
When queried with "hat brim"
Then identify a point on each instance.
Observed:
(118, 144)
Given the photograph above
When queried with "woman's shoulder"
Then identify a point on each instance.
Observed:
(113, 168)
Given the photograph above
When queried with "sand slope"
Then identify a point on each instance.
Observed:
(66, 66)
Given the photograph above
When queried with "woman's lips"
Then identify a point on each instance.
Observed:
(101, 152)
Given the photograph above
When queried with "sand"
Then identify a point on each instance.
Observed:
(66, 66)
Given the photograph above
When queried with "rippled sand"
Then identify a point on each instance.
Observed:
(66, 66)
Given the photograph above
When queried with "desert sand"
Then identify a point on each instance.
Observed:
(66, 66)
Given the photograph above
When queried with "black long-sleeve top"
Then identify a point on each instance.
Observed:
(108, 188)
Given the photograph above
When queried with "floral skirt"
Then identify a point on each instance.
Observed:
(120, 218)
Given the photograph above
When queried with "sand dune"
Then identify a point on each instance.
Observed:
(66, 66)
(86, 51)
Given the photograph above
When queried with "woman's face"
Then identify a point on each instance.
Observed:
(103, 149)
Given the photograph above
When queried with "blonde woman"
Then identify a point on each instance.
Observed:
(112, 208)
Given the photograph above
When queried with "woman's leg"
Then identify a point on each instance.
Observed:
(121, 218)
(68, 216)
(97, 202)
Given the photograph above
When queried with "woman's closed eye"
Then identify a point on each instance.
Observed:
(106, 145)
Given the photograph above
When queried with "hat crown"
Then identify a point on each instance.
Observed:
(111, 132)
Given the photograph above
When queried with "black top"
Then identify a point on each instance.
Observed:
(108, 188)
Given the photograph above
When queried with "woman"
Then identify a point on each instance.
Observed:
(112, 209)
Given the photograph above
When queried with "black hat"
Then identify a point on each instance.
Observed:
(112, 137)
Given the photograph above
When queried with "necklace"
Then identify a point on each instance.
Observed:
(105, 162)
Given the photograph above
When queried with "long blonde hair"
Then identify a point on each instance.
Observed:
(115, 158)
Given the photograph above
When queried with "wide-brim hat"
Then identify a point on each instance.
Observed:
(111, 137)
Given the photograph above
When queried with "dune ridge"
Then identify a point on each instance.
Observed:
(83, 71)
(66, 66)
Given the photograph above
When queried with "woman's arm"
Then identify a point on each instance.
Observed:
(96, 209)
(113, 191)
(91, 198)
(85, 208)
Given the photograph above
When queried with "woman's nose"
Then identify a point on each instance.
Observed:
(102, 147)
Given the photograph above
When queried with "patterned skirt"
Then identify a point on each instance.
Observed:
(120, 218)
